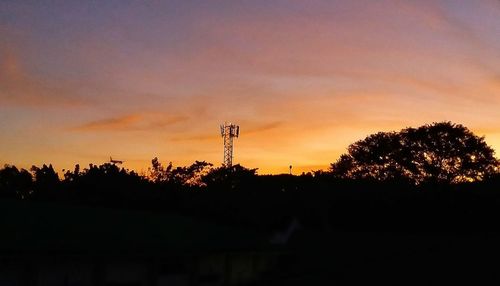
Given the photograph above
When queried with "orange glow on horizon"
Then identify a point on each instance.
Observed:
(303, 79)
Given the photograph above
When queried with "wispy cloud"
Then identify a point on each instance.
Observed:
(262, 128)
(110, 124)
(130, 122)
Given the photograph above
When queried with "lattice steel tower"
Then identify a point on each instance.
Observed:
(228, 131)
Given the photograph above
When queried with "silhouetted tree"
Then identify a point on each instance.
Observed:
(15, 183)
(107, 184)
(46, 181)
(72, 176)
(158, 173)
(190, 175)
(179, 176)
(440, 152)
(234, 177)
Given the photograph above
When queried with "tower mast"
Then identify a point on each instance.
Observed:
(228, 131)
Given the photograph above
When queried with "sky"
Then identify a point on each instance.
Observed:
(81, 81)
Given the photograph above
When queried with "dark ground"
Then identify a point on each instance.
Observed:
(310, 258)
(356, 258)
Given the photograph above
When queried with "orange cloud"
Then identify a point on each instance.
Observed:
(131, 122)
(110, 124)
(261, 128)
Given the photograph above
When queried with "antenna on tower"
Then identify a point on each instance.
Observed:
(228, 131)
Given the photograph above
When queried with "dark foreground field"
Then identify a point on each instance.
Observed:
(393, 259)
(49, 244)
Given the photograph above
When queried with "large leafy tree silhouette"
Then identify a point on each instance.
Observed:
(440, 153)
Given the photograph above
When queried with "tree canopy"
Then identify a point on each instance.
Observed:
(440, 152)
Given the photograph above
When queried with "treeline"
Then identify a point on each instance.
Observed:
(438, 177)
(321, 201)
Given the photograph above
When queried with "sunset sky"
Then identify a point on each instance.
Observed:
(84, 80)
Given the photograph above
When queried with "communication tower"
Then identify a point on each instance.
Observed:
(228, 131)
